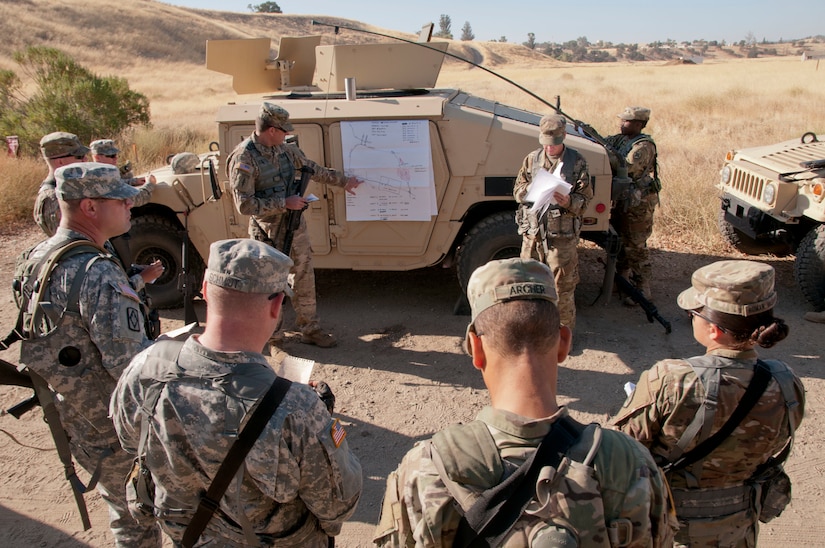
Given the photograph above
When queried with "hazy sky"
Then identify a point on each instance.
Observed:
(628, 21)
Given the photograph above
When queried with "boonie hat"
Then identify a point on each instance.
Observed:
(552, 129)
(640, 114)
(743, 288)
(184, 162)
(60, 144)
(92, 180)
(104, 147)
(248, 266)
(275, 116)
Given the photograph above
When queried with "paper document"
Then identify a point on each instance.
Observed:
(311, 198)
(544, 185)
(295, 369)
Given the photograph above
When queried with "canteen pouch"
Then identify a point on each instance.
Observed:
(774, 493)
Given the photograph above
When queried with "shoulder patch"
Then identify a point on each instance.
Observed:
(126, 290)
(245, 168)
(337, 433)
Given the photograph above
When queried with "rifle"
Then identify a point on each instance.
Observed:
(293, 219)
(10, 375)
(650, 309)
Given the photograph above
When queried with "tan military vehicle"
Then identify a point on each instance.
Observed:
(439, 164)
(772, 202)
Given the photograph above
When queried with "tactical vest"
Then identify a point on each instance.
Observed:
(273, 180)
(467, 455)
(557, 222)
(56, 344)
(650, 181)
(699, 503)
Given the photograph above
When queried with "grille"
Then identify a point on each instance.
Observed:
(748, 183)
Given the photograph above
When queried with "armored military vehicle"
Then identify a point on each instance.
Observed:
(772, 202)
(439, 164)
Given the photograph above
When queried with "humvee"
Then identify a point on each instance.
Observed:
(439, 164)
(772, 202)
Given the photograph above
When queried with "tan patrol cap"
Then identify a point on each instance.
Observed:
(275, 116)
(743, 288)
(552, 129)
(640, 114)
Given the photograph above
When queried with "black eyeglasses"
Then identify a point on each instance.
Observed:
(76, 157)
(692, 313)
(274, 296)
(111, 156)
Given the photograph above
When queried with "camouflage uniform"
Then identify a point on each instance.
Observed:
(670, 394)
(632, 217)
(265, 202)
(620, 481)
(299, 481)
(107, 333)
(561, 226)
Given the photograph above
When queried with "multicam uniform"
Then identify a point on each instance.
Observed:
(611, 478)
(300, 480)
(554, 238)
(81, 359)
(633, 217)
(664, 403)
(262, 178)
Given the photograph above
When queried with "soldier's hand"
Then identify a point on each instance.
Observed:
(562, 199)
(324, 393)
(296, 202)
(152, 272)
(352, 184)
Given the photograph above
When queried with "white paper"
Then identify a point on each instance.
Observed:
(181, 333)
(394, 159)
(295, 369)
(543, 187)
(311, 197)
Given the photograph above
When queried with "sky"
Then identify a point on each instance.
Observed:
(627, 21)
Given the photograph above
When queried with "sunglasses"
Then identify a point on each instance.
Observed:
(692, 313)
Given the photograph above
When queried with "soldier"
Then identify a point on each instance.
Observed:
(262, 172)
(94, 328)
(59, 149)
(677, 404)
(632, 216)
(105, 152)
(554, 237)
(516, 341)
(300, 481)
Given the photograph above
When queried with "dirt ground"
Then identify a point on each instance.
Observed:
(399, 375)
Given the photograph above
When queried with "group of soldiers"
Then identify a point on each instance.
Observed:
(202, 440)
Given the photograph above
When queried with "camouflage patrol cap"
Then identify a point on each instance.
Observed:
(92, 180)
(275, 116)
(104, 147)
(248, 266)
(552, 129)
(640, 114)
(184, 162)
(743, 288)
(508, 279)
(60, 144)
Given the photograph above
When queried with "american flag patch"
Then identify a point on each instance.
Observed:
(338, 433)
(127, 291)
(246, 168)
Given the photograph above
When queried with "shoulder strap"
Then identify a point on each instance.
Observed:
(210, 501)
(761, 378)
(489, 520)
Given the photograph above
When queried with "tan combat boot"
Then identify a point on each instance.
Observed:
(816, 317)
(319, 338)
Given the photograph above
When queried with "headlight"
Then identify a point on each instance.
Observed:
(725, 173)
(769, 193)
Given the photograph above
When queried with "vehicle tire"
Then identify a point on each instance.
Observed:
(809, 268)
(154, 237)
(494, 237)
(744, 243)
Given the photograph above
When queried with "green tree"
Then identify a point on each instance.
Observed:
(66, 97)
(265, 7)
(531, 40)
(444, 24)
(467, 32)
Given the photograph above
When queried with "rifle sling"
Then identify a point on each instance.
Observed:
(492, 516)
(210, 501)
(759, 383)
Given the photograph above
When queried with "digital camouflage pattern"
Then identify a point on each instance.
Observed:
(743, 288)
(641, 114)
(561, 225)
(81, 357)
(184, 162)
(248, 266)
(265, 201)
(297, 482)
(664, 403)
(582, 500)
(633, 217)
(104, 147)
(91, 180)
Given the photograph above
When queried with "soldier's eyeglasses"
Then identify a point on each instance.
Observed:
(110, 156)
(692, 313)
(274, 296)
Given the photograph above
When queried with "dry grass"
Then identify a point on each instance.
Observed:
(699, 111)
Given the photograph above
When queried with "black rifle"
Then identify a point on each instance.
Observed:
(650, 309)
(10, 375)
(293, 218)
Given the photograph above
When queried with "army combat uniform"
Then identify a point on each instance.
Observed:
(262, 178)
(554, 238)
(607, 490)
(81, 358)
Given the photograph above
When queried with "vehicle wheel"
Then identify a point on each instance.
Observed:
(809, 268)
(494, 237)
(153, 238)
(744, 243)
